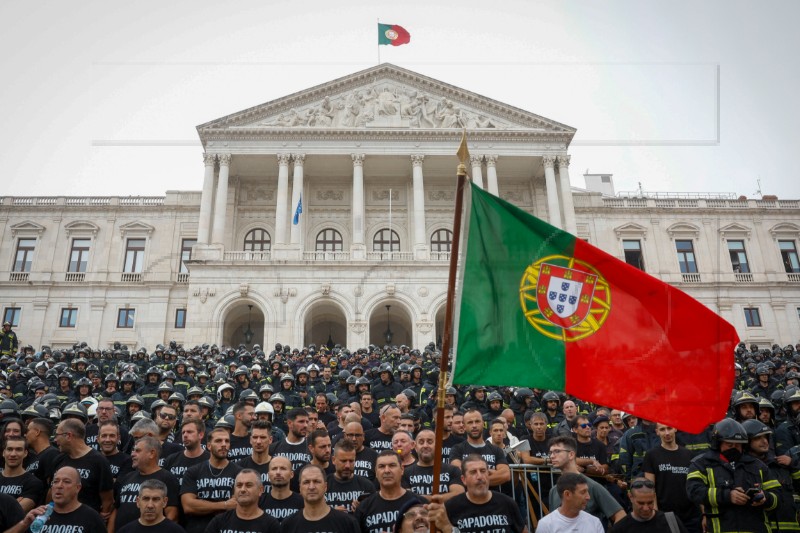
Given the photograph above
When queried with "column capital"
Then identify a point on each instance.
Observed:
(476, 160)
(549, 161)
(358, 159)
(416, 160)
(298, 159)
(563, 161)
(225, 159)
(283, 159)
(209, 159)
(491, 160)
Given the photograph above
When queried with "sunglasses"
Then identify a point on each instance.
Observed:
(643, 483)
(167, 417)
(585, 425)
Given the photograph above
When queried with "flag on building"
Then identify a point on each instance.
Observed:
(547, 310)
(296, 219)
(393, 34)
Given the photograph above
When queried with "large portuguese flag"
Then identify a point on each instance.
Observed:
(541, 308)
(393, 34)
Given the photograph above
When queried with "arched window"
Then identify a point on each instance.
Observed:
(441, 240)
(257, 240)
(386, 240)
(329, 240)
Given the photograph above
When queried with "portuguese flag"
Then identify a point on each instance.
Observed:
(393, 34)
(541, 308)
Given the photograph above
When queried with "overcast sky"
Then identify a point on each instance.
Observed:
(102, 98)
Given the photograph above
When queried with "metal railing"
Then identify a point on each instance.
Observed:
(530, 485)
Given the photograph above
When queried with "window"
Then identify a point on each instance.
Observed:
(686, 260)
(329, 240)
(738, 257)
(24, 257)
(79, 255)
(186, 253)
(134, 255)
(125, 317)
(11, 314)
(789, 255)
(633, 253)
(386, 240)
(441, 240)
(257, 240)
(180, 318)
(752, 317)
(69, 316)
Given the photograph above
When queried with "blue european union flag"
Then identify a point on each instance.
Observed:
(297, 211)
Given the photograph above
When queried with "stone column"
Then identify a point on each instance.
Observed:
(206, 201)
(568, 208)
(296, 232)
(357, 248)
(283, 199)
(218, 233)
(420, 241)
(477, 174)
(491, 174)
(553, 211)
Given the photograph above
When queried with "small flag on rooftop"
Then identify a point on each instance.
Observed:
(393, 34)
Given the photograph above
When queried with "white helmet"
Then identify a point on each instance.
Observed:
(264, 407)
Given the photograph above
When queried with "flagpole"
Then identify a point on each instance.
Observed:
(379, 40)
(448, 320)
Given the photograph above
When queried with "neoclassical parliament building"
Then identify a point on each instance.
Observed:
(327, 215)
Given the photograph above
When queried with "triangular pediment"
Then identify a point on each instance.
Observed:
(631, 228)
(27, 228)
(683, 229)
(734, 229)
(386, 97)
(136, 228)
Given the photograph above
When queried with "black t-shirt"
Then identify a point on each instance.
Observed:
(594, 449)
(420, 478)
(165, 526)
(377, 440)
(120, 464)
(25, 486)
(342, 493)
(43, 464)
(499, 515)
(297, 453)
(93, 430)
(178, 463)
(168, 448)
(95, 472)
(670, 469)
(281, 509)
(335, 521)
(126, 493)
(376, 515)
(263, 470)
(11, 513)
(229, 522)
(493, 455)
(240, 448)
(655, 524)
(447, 445)
(210, 484)
(365, 463)
(84, 519)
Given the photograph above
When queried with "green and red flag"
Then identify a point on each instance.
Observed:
(393, 34)
(541, 308)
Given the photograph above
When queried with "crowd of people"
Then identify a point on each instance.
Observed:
(238, 439)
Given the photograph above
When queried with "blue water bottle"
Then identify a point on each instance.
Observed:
(41, 520)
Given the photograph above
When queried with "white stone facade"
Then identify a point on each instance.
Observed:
(367, 153)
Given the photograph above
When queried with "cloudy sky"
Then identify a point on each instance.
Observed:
(102, 98)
